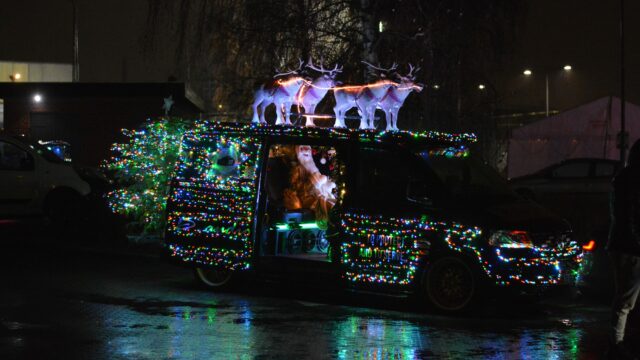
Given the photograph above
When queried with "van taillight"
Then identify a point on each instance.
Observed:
(590, 246)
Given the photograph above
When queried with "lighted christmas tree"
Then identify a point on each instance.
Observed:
(143, 167)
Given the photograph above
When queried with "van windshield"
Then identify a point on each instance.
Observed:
(46, 153)
(42, 150)
(466, 178)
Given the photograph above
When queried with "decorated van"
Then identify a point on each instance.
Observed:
(396, 211)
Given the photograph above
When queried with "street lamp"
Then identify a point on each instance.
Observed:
(528, 72)
(481, 87)
(15, 77)
(37, 98)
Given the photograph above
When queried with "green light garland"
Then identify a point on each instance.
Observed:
(144, 166)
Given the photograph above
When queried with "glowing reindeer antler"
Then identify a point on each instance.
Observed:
(321, 69)
(332, 73)
(290, 72)
(336, 70)
(382, 71)
(411, 75)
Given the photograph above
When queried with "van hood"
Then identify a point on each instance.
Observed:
(517, 215)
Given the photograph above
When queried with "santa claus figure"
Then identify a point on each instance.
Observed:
(309, 189)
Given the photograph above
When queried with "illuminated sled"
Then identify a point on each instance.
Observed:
(382, 211)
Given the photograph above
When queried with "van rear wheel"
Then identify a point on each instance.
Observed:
(215, 279)
(450, 284)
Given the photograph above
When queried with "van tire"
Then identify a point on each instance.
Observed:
(450, 284)
(215, 279)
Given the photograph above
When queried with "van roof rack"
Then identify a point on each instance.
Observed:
(423, 137)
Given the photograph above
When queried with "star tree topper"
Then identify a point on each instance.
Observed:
(168, 104)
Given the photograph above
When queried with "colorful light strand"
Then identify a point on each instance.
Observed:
(407, 244)
(213, 200)
(214, 195)
(143, 166)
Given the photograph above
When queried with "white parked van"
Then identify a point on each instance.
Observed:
(34, 181)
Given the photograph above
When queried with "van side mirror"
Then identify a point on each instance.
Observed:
(417, 191)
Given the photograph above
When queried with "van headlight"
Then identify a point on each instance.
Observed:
(516, 239)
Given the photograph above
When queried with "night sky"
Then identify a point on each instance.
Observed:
(583, 33)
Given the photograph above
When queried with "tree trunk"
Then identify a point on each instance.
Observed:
(369, 28)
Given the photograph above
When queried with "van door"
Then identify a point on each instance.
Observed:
(212, 203)
(18, 180)
(382, 233)
(301, 185)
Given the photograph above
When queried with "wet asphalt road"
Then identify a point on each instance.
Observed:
(61, 302)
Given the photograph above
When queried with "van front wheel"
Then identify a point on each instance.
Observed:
(215, 279)
(450, 284)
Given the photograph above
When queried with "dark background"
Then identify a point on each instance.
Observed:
(550, 33)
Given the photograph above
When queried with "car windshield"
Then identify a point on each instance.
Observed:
(466, 178)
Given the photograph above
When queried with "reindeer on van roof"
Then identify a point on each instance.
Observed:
(282, 92)
(396, 95)
(312, 93)
(364, 97)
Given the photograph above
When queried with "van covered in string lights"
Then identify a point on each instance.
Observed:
(386, 211)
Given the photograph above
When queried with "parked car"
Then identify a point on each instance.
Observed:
(35, 181)
(578, 190)
(393, 212)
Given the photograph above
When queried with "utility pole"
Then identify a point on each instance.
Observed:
(527, 72)
(546, 84)
(622, 136)
(76, 57)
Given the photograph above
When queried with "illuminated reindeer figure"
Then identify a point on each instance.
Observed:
(282, 92)
(363, 97)
(312, 93)
(395, 96)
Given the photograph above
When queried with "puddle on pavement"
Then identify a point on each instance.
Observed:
(146, 306)
(273, 328)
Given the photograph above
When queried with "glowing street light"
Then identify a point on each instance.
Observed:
(528, 72)
(436, 86)
(37, 98)
(481, 87)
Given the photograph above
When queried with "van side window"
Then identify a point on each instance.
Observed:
(13, 158)
(383, 178)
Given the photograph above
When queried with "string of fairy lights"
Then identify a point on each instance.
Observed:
(390, 251)
(143, 167)
(214, 169)
(213, 199)
(378, 250)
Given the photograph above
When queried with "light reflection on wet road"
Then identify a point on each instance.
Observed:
(90, 306)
